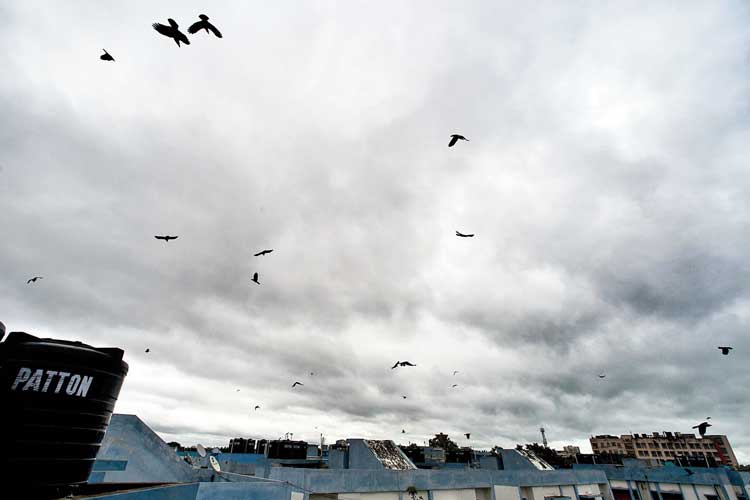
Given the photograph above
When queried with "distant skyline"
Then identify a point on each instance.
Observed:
(605, 180)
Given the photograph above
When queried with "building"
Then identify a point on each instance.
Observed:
(135, 464)
(569, 451)
(657, 448)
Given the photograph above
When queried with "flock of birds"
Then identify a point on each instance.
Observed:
(172, 30)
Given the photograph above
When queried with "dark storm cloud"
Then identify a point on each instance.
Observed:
(605, 180)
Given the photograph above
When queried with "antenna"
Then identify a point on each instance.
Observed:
(201, 450)
(214, 464)
(544, 438)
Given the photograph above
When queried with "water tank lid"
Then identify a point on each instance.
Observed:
(18, 338)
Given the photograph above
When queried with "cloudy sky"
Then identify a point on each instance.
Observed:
(606, 179)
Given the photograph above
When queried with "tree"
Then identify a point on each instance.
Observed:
(443, 441)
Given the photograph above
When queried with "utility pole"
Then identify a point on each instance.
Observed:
(544, 438)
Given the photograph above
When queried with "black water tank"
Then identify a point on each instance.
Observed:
(56, 400)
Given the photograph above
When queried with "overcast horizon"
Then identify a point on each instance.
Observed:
(605, 180)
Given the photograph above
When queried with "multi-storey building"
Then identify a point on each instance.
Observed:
(658, 448)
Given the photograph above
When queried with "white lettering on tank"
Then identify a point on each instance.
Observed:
(83, 389)
(23, 376)
(34, 381)
(63, 376)
(73, 384)
(50, 375)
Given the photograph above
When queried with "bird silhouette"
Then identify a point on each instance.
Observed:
(454, 372)
(403, 397)
(296, 384)
(106, 56)
(255, 278)
(725, 349)
(166, 238)
(401, 363)
(601, 375)
(403, 431)
(312, 374)
(455, 138)
(468, 435)
(203, 24)
(702, 428)
(147, 350)
(237, 390)
(262, 252)
(33, 280)
(172, 31)
(454, 386)
(256, 407)
(462, 235)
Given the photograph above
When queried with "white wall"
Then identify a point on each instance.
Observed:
(462, 494)
(387, 495)
(506, 493)
(589, 489)
(569, 491)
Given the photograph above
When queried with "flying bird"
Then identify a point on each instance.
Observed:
(33, 280)
(203, 24)
(403, 431)
(237, 390)
(296, 384)
(255, 278)
(403, 397)
(312, 374)
(166, 238)
(401, 363)
(172, 31)
(106, 56)
(262, 252)
(147, 350)
(454, 386)
(455, 138)
(256, 407)
(462, 235)
(468, 435)
(725, 349)
(601, 375)
(702, 428)
(454, 372)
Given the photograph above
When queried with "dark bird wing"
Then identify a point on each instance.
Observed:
(255, 276)
(164, 30)
(160, 237)
(182, 37)
(213, 29)
(406, 363)
(195, 27)
(396, 365)
(454, 139)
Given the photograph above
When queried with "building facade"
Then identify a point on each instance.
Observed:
(658, 448)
